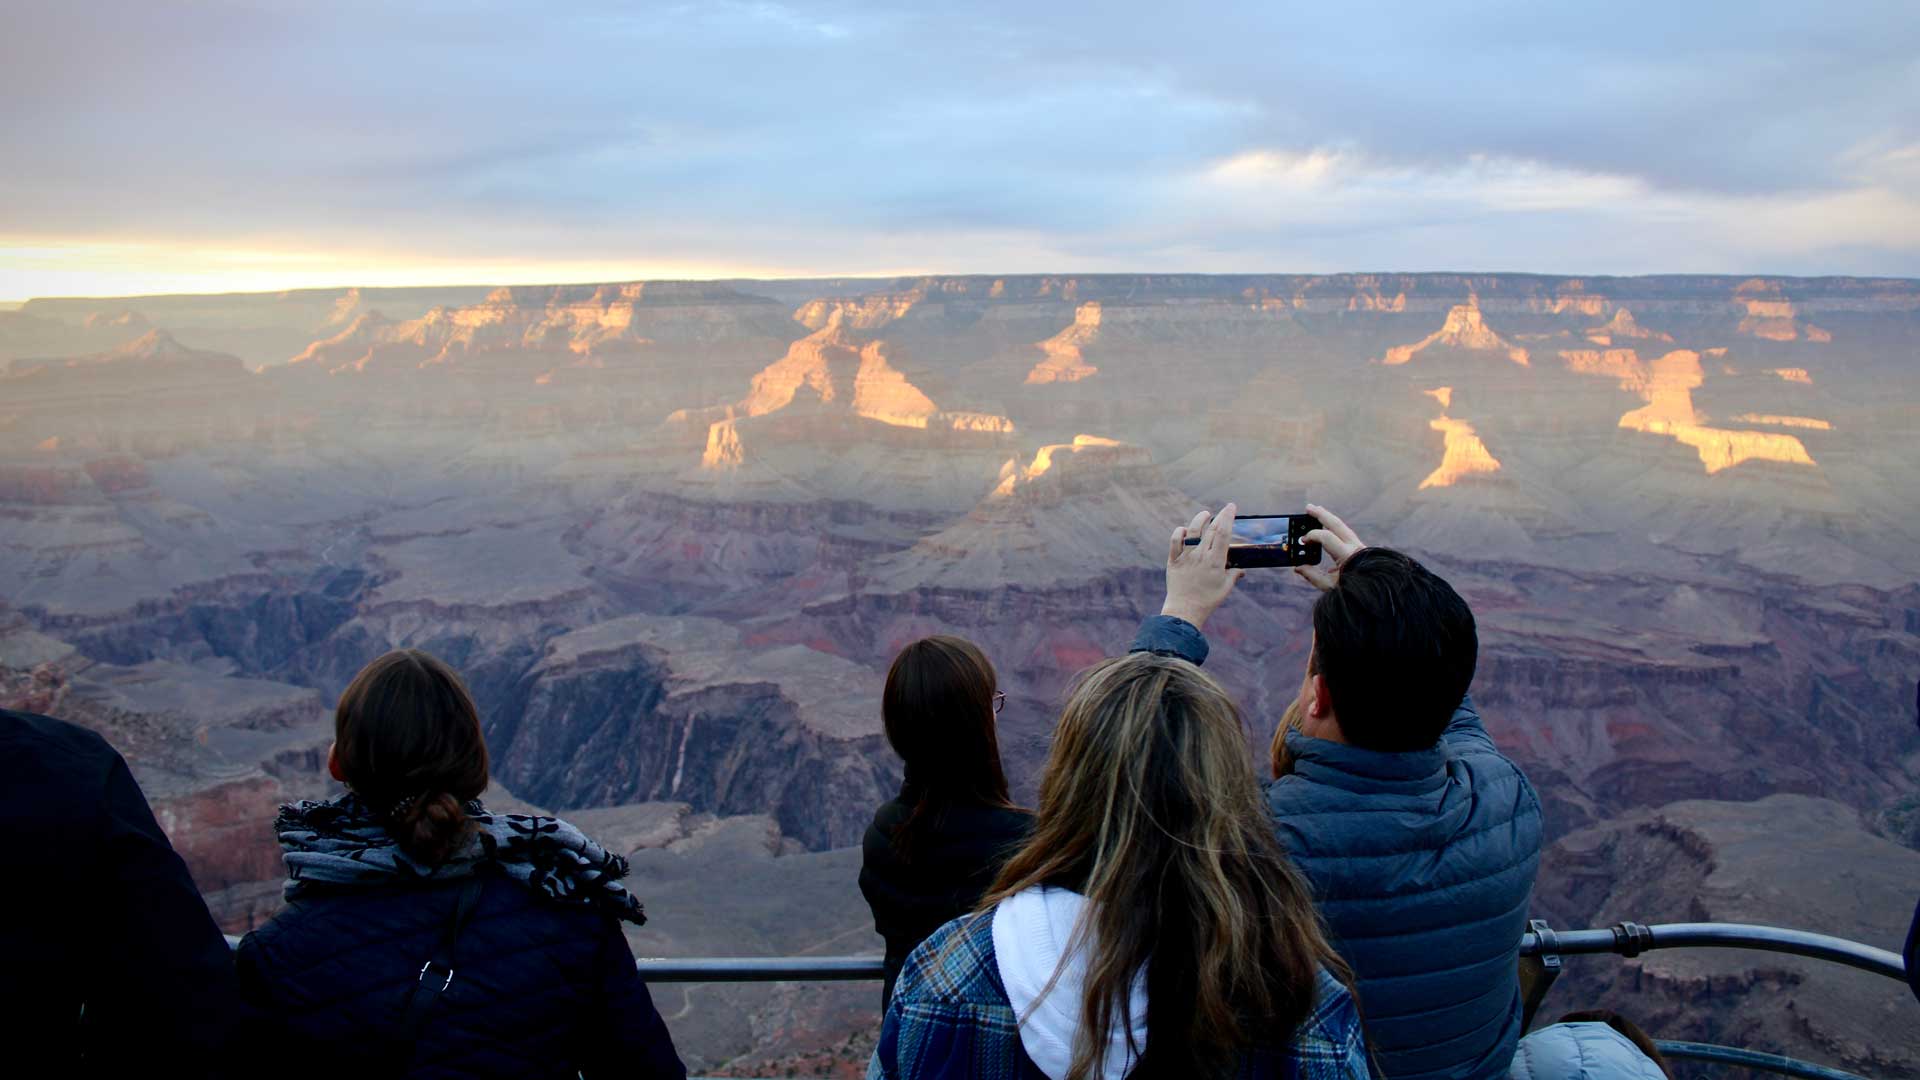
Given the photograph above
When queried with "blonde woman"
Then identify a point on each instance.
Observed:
(1151, 927)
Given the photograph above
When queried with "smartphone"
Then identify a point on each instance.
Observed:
(1271, 540)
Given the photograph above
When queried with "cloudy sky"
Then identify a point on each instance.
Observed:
(148, 145)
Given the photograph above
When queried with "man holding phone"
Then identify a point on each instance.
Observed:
(1419, 838)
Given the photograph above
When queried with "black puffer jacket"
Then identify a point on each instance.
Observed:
(539, 989)
(954, 859)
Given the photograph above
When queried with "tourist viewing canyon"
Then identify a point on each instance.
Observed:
(878, 325)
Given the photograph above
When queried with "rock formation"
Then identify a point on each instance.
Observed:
(1670, 383)
(1464, 455)
(1624, 327)
(1064, 360)
(1465, 329)
(1785, 860)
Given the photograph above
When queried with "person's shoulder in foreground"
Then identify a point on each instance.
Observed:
(111, 953)
(950, 1018)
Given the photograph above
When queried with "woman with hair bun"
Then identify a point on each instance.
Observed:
(424, 935)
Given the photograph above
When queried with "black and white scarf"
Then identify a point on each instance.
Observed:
(342, 842)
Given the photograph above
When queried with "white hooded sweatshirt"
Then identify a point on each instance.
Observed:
(1031, 931)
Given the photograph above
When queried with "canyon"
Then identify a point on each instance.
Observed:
(673, 532)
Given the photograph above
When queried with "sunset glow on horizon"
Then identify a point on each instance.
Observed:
(243, 146)
(110, 269)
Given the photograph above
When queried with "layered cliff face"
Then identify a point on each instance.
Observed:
(647, 708)
(1786, 861)
(1065, 361)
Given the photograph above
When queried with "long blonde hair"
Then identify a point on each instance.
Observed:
(1149, 809)
(1278, 755)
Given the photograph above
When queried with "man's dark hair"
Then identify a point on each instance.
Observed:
(1397, 647)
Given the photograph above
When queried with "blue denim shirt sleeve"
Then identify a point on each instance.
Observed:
(1170, 636)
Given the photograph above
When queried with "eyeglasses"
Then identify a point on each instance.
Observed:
(999, 701)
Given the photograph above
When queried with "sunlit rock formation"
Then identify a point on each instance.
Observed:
(1464, 329)
(1064, 362)
(1623, 327)
(1669, 411)
(1464, 455)
(836, 370)
(1099, 451)
(1074, 510)
(864, 313)
(1809, 422)
(353, 348)
(830, 374)
(1624, 365)
(579, 325)
(1771, 317)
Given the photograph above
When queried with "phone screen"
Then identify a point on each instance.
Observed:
(1263, 532)
(1271, 540)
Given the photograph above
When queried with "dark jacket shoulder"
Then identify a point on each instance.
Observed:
(952, 860)
(112, 928)
(540, 988)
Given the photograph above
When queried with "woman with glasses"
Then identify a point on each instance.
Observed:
(932, 851)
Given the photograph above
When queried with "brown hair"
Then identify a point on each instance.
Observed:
(1149, 809)
(407, 738)
(1625, 1027)
(938, 711)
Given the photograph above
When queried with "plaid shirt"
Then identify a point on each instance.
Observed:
(949, 1020)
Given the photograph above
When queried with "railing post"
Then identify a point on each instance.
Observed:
(1538, 972)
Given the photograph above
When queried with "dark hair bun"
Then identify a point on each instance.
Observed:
(407, 738)
(431, 827)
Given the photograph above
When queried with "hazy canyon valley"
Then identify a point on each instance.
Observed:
(673, 533)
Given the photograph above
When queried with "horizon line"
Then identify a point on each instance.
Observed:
(18, 302)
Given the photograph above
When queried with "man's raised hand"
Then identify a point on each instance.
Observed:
(1198, 579)
(1337, 539)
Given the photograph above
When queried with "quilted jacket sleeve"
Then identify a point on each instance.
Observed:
(631, 1040)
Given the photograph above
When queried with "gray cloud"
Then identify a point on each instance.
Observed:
(853, 137)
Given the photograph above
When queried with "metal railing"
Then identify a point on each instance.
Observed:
(1541, 942)
(1541, 948)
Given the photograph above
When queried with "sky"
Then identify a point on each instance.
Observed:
(155, 146)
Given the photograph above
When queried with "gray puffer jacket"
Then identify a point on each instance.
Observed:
(1581, 1051)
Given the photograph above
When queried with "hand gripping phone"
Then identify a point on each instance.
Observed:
(1271, 540)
